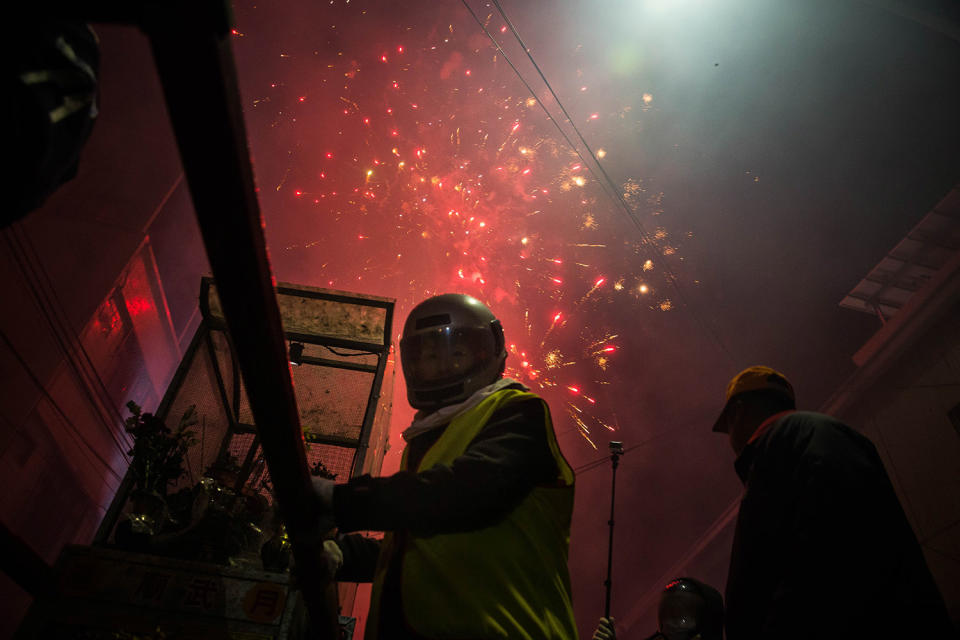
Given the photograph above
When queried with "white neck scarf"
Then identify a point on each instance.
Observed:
(423, 423)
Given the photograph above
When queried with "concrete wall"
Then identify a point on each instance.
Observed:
(906, 413)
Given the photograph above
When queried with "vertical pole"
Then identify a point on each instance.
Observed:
(616, 449)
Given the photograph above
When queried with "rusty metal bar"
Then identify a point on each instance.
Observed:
(191, 48)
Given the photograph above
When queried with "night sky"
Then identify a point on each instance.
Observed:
(760, 157)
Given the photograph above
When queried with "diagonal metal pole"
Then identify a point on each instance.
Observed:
(191, 47)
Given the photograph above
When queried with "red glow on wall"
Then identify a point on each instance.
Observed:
(108, 319)
(137, 306)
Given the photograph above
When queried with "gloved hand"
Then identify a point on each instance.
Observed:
(333, 556)
(323, 492)
(605, 630)
(323, 501)
(315, 520)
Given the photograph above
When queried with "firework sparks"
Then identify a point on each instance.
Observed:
(417, 169)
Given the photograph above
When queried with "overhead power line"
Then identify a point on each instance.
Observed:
(533, 93)
(78, 360)
(56, 406)
(607, 184)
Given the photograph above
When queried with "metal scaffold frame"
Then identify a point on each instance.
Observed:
(190, 41)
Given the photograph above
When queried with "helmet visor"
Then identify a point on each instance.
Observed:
(445, 355)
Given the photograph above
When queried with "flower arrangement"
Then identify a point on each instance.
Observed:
(158, 452)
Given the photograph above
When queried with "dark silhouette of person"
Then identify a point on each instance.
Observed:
(822, 547)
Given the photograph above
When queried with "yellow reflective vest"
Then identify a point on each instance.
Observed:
(509, 580)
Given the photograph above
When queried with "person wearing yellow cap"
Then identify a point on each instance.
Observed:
(822, 548)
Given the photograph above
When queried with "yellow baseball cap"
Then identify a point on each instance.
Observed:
(756, 378)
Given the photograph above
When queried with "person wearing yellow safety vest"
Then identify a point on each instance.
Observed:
(477, 520)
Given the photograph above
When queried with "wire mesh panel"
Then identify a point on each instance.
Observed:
(332, 402)
(228, 368)
(244, 413)
(198, 388)
(238, 446)
(338, 461)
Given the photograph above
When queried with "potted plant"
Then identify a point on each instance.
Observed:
(158, 455)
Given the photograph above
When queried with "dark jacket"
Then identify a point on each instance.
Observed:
(822, 547)
(498, 470)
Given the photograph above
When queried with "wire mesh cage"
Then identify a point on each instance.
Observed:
(342, 371)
